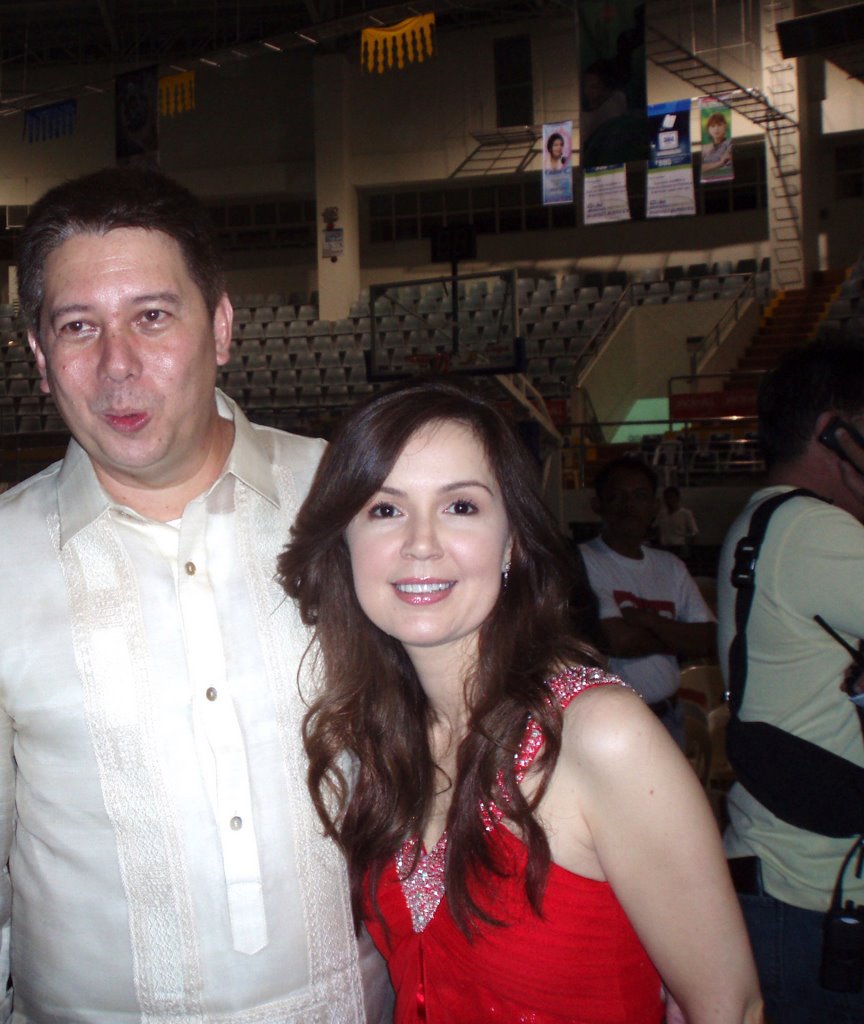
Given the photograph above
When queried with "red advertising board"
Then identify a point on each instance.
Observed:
(712, 404)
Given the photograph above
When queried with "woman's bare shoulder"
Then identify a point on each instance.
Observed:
(609, 726)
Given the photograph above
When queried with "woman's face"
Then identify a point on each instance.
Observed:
(428, 549)
(557, 148)
(717, 131)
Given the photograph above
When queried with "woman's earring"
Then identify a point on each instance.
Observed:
(505, 574)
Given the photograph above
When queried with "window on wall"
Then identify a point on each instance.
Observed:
(514, 205)
(849, 171)
(264, 223)
(514, 86)
(748, 190)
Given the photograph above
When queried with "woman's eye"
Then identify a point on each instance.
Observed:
(383, 510)
(462, 507)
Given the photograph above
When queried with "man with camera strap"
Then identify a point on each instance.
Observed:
(791, 622)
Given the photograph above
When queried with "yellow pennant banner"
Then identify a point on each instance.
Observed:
(177, 93)
(411, 38)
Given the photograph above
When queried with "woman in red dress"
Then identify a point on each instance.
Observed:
(524, 841)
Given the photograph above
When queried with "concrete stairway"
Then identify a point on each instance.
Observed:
(789, 321)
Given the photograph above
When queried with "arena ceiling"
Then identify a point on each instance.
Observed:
(43, 32)
(38, 34)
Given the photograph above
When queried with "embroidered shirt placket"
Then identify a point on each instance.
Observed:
(221, 746)
(321, 869)
(112, 657)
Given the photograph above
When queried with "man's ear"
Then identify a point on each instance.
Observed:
(41, 363)
(825, 450)
(223, 321)
(823, 419)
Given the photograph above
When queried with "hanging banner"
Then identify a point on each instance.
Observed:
(670, 191)
(605, 191)
(715, 120)
(613, 93)
(411, 38)
(176, 93)
(51, 121)
(557, 163)
(137, 118)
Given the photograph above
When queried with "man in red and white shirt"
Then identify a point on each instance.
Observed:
(651, 612)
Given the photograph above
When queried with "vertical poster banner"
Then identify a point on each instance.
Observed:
(136, 98)
(613, 93)
(557, 163)
(670, 191)
(715, 120)
(51, 121)
(606, 195)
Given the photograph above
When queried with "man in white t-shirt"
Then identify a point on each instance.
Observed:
(651, 612)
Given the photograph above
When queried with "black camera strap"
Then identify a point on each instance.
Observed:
(842, 966)
(856, 847)
(798, 781)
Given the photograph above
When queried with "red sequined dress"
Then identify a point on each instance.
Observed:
(581, 963)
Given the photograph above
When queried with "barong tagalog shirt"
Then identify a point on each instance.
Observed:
(166, 862)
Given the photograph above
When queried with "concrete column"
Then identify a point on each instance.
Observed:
(811, 93)
(783, 153)
(339, 277)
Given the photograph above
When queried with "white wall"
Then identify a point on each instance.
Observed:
(251, 131)
(648, 348)
(843, 106)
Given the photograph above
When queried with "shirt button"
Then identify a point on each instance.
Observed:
(210, 693)
(190, 568)
(236, 823)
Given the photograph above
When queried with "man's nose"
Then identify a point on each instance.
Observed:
(119, 359)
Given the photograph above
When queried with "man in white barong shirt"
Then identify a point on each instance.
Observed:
(165, 864)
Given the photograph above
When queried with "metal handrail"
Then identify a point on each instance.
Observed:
(714, 338)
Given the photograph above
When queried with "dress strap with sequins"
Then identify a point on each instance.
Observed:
(423, 887)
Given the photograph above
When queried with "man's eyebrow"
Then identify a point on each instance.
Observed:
(170, 297)
(72, 307)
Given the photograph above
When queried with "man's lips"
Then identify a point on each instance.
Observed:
(126, 422)
(418, 592)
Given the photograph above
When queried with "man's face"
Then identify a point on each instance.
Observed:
(627, 505)
(129, 353)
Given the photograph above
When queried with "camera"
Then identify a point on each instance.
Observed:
(842, 967)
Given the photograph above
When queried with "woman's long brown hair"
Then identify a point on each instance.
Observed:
(371, 772)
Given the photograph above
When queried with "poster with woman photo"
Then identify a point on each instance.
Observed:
(558, 163)
(716, 124)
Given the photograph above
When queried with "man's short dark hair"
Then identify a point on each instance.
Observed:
(817, 378)
(117, 197)
(627, 463)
